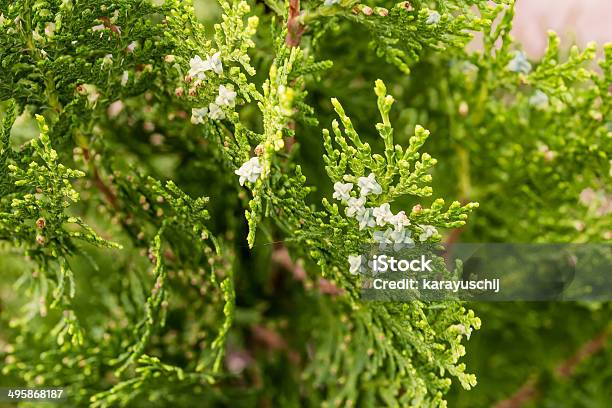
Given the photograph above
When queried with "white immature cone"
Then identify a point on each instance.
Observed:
(433, 18)
(400, 220)
(539, 100)
(428, 232)
(198, 67)
(355, 206)
(215, 112)
(198, 115)
(369, 185)
(365, 219)
(125, 76)
(354, 264)
(250, 171)
(383, 214)
(214, 63)
(226, 97)
(519, 63)
(342, 191)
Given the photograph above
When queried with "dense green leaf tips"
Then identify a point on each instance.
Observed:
(175, 231)
(36, 218)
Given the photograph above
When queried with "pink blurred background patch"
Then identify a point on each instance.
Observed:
(576, 22)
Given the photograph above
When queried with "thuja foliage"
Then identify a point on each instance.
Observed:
(185, 190)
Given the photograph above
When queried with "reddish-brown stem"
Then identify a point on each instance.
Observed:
(529, 391)
(294, 28)
(526, 393)
(281, 257)
(106, 191)
(567, 367)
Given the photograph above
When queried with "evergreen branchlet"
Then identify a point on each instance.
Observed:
(174, 230)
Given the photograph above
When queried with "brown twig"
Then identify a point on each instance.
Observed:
(528, 392)
(328, 287)
(294, 28)
(566, 368)
(106, 191)
(271, 339)
(453, 237)
(281, 257)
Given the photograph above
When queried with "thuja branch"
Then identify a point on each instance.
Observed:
(161, 110)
